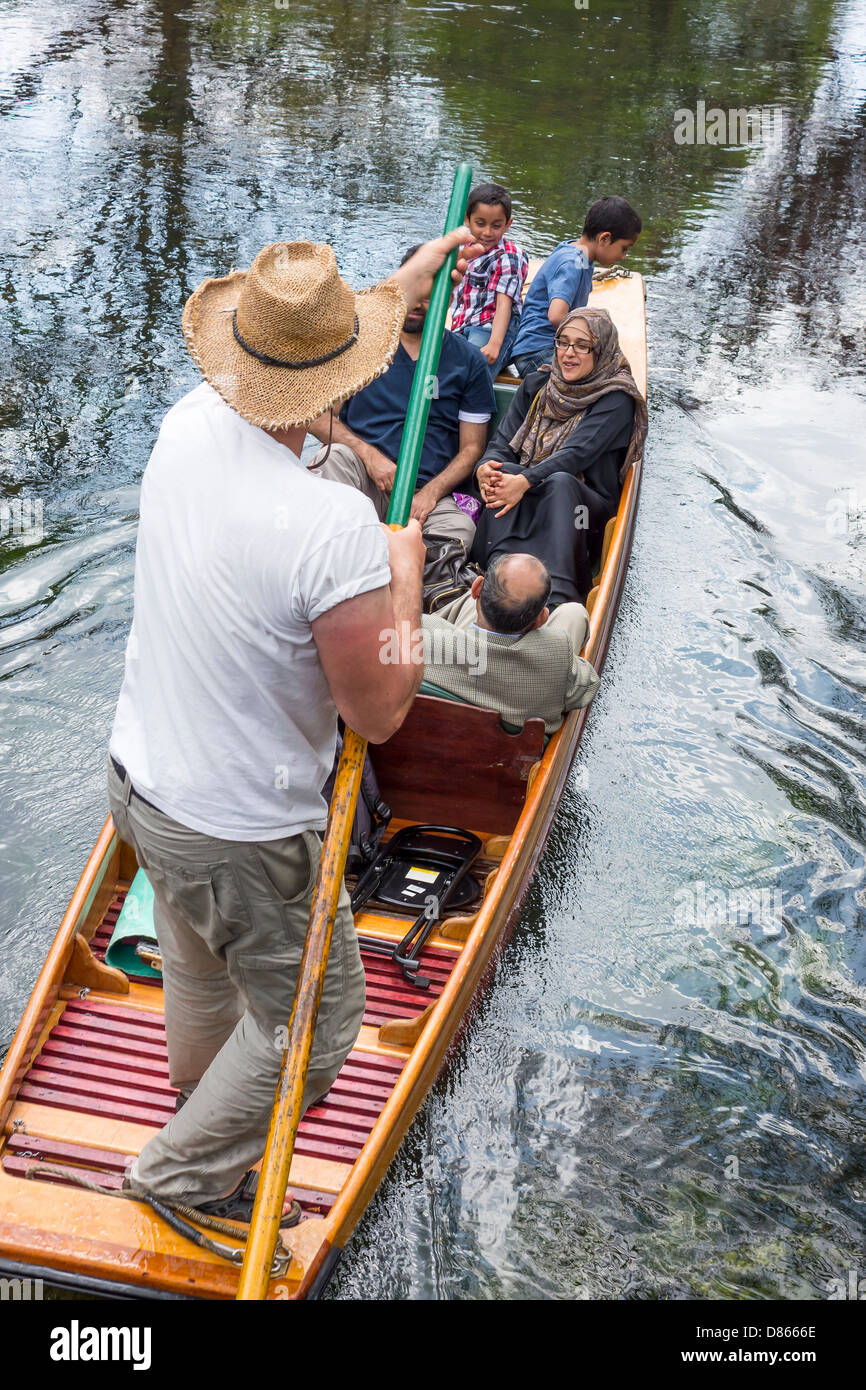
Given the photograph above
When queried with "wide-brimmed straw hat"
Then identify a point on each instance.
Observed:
(287, 339)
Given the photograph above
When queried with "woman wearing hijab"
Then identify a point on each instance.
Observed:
(553, 472)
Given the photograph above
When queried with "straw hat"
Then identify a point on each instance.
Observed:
(286, 340)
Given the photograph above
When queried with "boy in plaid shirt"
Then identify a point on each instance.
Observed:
(487, 302)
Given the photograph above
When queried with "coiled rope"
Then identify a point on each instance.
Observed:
(173, 1214)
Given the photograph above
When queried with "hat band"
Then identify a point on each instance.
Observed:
(280, 362)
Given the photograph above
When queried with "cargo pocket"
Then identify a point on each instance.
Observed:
(266, 966)
(267, 980)
(200, 907)
(278, 879)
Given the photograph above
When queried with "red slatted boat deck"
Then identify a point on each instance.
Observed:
(110, 1060)
(389, 995)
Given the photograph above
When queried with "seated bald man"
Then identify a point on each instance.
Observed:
(499, 646)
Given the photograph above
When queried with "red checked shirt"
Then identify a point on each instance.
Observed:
(500, 271)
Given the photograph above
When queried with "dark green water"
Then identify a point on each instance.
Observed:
(661, 1094)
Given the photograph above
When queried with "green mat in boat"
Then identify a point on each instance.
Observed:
(134, 925)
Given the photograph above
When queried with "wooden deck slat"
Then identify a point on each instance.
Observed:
(93, 1038)
(93, 1105)
(400, 990)
(366, 1092)
(352, 1101)
(61, 1048)
(65, 1065)
(54, 1152)
(101, 1088)
(129, 1017)
(373, 1063)
(314, 1147)
(330, 1118)
(99, 1025)
(386, 974)
(333, 1132)
(409, 1008)
(19, 1167)
(376, 1017)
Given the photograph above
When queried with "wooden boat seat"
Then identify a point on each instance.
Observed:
(431, 688)
(455, 764)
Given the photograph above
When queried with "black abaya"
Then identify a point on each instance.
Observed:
(584, 474)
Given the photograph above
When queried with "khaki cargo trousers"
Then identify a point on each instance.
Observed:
(231, 918)
(446, 522)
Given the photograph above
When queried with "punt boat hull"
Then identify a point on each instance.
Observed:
(85, 1082)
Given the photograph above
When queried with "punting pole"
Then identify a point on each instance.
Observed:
(264, 1227)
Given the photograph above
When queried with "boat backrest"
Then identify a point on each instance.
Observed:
(454, 764)
(431, 688)
(504, 391)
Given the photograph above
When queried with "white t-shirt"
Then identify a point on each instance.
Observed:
(225, 720)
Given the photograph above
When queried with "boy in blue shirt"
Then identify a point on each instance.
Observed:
(564, 281)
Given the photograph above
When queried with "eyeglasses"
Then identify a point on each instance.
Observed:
(581, 346)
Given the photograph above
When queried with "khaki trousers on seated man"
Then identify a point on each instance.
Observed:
(446, 521)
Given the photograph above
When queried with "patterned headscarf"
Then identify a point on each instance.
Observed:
(560, 405)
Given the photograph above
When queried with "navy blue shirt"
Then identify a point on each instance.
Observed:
(462, 390)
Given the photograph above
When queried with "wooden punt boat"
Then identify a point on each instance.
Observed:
(85, 1083)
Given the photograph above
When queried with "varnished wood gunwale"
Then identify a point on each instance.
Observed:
(51, 976)
(174, 1267)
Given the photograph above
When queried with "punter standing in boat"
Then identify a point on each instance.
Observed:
(261, 592)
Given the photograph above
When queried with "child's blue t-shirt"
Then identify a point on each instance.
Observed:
(566, 274)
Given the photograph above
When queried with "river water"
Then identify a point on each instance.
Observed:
(661, 1093)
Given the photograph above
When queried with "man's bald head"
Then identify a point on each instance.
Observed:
(514, 593)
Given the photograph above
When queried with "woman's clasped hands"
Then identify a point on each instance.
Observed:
(500, 491)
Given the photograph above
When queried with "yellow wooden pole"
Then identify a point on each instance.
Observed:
(285, 1117)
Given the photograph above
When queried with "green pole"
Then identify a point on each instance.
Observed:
(428, 360)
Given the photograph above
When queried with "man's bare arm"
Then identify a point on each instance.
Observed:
(380, 469)
(372, 670)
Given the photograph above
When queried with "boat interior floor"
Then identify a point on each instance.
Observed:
(98, 1086)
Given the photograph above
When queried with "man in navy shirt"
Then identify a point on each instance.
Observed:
(366, 436)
